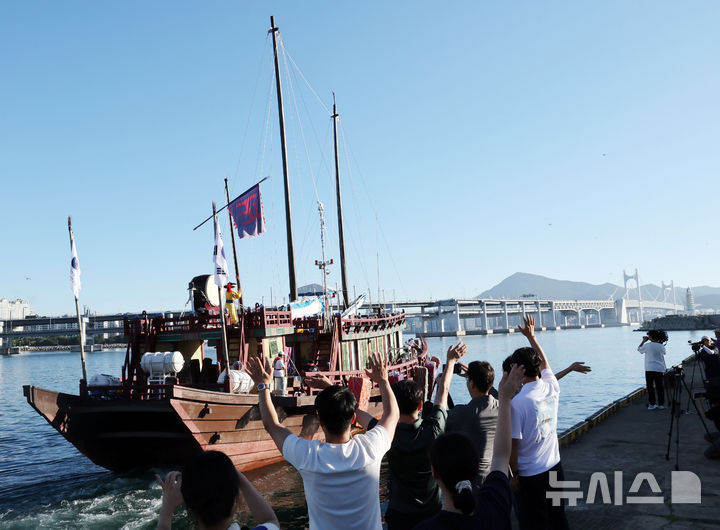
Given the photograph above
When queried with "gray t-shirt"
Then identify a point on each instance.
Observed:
(478, 421)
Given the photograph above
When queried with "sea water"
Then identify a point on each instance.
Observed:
(46, 483)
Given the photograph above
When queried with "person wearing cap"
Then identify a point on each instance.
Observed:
(279, 376)
(478, 418)
(230, 297)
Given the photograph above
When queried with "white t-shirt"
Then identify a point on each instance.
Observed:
(279, 368)
(654, 356)
(534, 424)
(341, 481)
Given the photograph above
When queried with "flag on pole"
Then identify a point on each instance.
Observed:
(219, 261)
(247, 213)
(74, 269)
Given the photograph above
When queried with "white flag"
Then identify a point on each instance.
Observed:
(219, 261)
(74, 270)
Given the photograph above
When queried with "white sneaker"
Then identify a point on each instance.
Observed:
(652, 407)
(660, 407)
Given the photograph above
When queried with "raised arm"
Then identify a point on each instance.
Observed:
(259, 508)
(529, 331)
(502, 445)
(171, 498)
(379, 375)
(577, 366)
(454, 354)
(260, 373)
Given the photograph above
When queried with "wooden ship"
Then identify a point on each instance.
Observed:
(158, 419)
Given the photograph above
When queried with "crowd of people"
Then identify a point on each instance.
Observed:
(466, 467)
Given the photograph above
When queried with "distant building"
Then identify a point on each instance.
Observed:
(14, 310)
(689, 301)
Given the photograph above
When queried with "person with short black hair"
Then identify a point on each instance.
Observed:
(535, 450)
(653, 347)
(341, 475)
(414, 493)
(478, 418)
(210, 487)
(454, 466)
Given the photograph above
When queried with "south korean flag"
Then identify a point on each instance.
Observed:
(219, 262)
(74, 269)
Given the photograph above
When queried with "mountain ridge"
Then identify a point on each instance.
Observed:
(523, 283)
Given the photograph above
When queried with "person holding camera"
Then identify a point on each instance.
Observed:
(653, 347)
(477, 419)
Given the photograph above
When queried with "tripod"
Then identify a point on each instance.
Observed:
(696, 362)
(675, 377)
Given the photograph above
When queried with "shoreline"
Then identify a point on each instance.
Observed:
(67, 347)
(573, 433)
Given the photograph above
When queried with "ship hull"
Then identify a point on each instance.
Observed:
(121, 435)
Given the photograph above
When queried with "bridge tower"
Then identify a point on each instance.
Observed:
(671, 286)
(635, 277)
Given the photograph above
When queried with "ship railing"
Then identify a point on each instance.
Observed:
(372, 322)
(269, 318)
(308, 325)
(135, 391)
(134, 326)
(405, 370)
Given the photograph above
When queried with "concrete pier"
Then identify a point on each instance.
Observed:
(628, 440)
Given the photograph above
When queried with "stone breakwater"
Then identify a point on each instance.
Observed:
(683, 322)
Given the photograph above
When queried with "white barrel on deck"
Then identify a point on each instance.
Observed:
(160, 363)
(240, 382)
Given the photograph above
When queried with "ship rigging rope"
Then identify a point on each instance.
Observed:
(372, 205)
(289, 56)
(296, 112)
(261, 62)
(291, 86)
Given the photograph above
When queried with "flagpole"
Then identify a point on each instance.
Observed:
(232, 234)
(228, 204)
(77, 310)
(222, 314)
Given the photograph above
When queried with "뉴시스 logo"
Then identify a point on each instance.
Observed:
(685, 488)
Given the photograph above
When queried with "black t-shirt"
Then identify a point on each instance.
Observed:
(491, 513)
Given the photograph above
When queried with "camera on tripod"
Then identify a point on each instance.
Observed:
(695, 346)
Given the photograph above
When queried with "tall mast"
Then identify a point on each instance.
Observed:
(232, 233)
(322, 265)
(343, 271)
(288, 213)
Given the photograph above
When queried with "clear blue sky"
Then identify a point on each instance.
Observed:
(565, 139)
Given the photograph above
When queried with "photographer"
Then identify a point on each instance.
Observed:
(653, 347)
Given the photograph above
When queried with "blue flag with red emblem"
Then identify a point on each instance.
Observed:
(247, 213)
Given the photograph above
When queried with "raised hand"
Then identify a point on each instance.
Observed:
(529, 329)
(259, 370)
(171, 495)
(378, 368)
(454, 353)
(580, 366)
(317, 380)
(510, 382)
